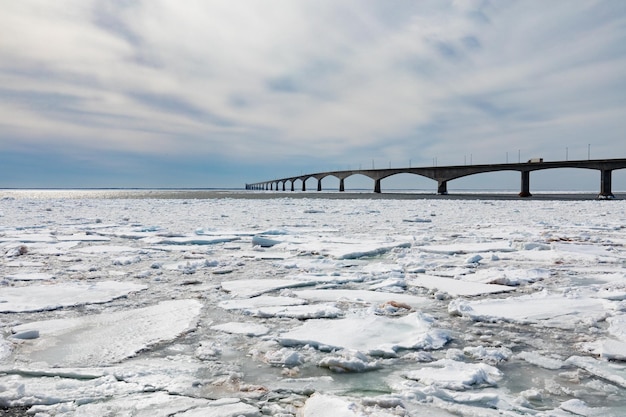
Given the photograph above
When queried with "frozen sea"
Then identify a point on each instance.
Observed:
(169, 303)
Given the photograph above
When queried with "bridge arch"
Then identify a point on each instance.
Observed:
(408, 181)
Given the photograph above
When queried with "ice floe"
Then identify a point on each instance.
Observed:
(556, 310)
(248, 329)
(371, 334)
(254, 287)
(59, 295)
(457, 287)
(107, 338)
(455, 375)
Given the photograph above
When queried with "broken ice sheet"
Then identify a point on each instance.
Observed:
(107, 338)
(457, 287)
(254, 287)
(455, 375)
(369, 333)
(556, 310)
(52, 297)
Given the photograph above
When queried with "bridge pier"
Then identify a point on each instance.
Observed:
(605, 184)
(303, 185)
(525, 184)
(342, 187)
(284, 185)
(292, 185)
(377, 186)
(442, 187)
(319, 184)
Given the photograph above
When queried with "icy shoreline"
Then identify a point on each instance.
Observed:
(297, 306)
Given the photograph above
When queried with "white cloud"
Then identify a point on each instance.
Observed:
(341, 80)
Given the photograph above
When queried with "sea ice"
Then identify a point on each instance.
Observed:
(613, 372)
(368, 333)
(260, 302)
(254, 287)
(106, 249)
(51, 297)
(457, 287)
(31, 276)
(248, 329)
(349, 361)
(455, 375)
(364, 297)
(225, 407)
(468, 247)
(363, 259)
(351, 249)
(555, 310)
(107, 338)
(320, 405)
(612, 349)
(301, 312)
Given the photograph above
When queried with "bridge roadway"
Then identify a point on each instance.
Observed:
(444, 174)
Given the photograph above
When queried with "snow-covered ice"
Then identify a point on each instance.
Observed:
(106, 338)
(369, 333)
(111, 305)
(54, 296)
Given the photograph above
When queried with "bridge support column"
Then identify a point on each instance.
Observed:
(377, 186)
(342, 187)
(525, 184)
(284, 185)
(319, 184)
(442, 187)
(292, 186)
(605, 184)
(303, 185)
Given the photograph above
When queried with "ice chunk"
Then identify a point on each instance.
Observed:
(157, 404)
(510, 276)
(254, 287)
(491, 356)
(284, 357)
(190, 240)
(613, 372)
(31, 276)
(455, 375)
(349, 361)
(83, 237)
(374, 335)
(107, 338)
(540, 360)
(473, 259)
(259, 302)
(324, 405)
(461, 248)
(52, 297)
(248, 329)
(19, 390)
(550, 309)
(98, 249)
(363, 296)
(225, 407)
(352, 249)
(456, 287)
(264, 242)
(301, 312)
(5, 349)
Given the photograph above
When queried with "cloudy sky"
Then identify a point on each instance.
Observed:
(197, 93)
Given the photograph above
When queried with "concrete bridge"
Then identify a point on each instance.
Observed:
(444, 174)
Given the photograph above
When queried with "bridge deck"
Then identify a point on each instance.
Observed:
(443, 174)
